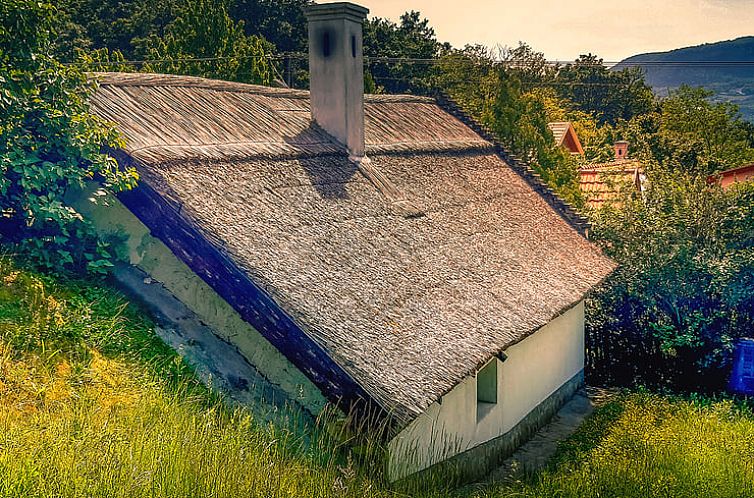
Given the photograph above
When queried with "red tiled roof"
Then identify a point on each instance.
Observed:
(602, 183)
(735, 175)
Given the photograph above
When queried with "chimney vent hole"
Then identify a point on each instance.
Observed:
(326, 44)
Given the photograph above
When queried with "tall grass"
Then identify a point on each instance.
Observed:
(93, 404)
(646, 445)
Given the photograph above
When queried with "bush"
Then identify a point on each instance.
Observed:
(49, 143)
(204, 41)
(684, 292)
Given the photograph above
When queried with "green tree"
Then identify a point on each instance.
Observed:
(683, 291)
(102, 60)
(49, 143)
(411, 38)
(115, 25)
(467, 75)
(281, 22)
(204, 41)
(530, 67)
(709, 137)
(505, 94)
(608, 95)
(688, 132)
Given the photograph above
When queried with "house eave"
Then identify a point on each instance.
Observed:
(217, 269)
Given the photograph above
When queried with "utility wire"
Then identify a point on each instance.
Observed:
(186, 59)
(428, 61)
(372, 61)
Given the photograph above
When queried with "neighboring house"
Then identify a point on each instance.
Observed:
(372, 251)
(604, 183)
(565, 136)
(735, 175)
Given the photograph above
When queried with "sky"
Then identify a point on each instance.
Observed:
(565, 29)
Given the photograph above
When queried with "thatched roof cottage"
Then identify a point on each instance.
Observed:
(374, 251)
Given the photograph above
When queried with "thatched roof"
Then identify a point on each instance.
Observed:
(409, 272)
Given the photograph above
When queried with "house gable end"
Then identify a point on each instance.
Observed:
(572, 142)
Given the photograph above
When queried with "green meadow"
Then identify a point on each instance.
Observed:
(93, 404)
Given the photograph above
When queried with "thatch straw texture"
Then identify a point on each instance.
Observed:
(408, 303)
(177, 117)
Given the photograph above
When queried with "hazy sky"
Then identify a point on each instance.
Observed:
(564, 29)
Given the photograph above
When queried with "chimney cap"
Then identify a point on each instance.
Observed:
(337, 10)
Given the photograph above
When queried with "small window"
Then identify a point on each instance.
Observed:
(326, 44)
(353, 46)
(486, 389)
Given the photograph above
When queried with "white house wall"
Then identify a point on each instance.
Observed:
(535, 368)
(152, 256)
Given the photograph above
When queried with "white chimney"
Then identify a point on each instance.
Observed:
(336, 71)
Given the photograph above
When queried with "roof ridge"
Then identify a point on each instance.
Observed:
(607, 164)
(115, 78)
(395, 97)
(522, 168)
(176, 80)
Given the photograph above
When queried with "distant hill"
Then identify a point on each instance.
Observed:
(717, 66)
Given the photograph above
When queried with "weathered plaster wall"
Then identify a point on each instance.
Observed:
(160, 263)
(534, 369)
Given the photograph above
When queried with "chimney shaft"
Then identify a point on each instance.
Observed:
(336, 71)
(621, 149)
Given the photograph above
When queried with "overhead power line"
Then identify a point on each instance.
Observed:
(426, 61)
(185, 59)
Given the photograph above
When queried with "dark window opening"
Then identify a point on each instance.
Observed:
(353, 46)
(326, 44)
(486, 389)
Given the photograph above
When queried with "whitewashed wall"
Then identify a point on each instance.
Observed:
(534, 369)
(152, 256)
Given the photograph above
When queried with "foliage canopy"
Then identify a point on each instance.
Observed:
(683, 291)
(203, 40)
(49, 144)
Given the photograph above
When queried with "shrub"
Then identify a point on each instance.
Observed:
(204, 41)
(49, 143)
(670, 314)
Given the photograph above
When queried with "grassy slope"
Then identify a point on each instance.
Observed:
(92, 404)
(648, 445)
